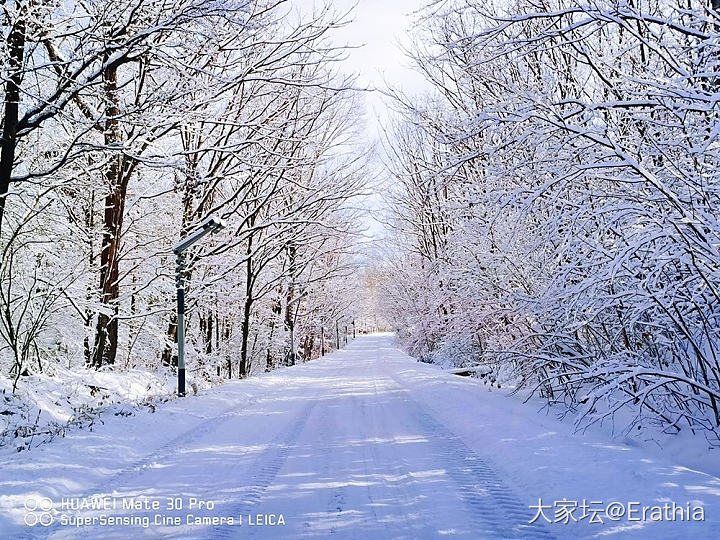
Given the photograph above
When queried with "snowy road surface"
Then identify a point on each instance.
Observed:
(365, 443)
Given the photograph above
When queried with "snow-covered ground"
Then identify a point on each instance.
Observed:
(45, 406)
(365, 443)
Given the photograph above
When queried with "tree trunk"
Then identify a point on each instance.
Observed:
(106, 333)
(90, 289)
(227, 332)
(276, 313)
(289, 313)
(167, 357)
(8, 143)
(307, 347)
(244, 369)
(208, 332)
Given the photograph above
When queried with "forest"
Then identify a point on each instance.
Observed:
(551, 202)
(555, 205)
(124, 125)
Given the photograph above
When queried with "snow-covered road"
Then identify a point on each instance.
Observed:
(365, 443)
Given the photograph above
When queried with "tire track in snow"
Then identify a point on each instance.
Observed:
(491, 501)
(329, 426)
(267, 466)
(181, 442)
(324, 448)
(366, 453)
(173, 446)
(397, 472)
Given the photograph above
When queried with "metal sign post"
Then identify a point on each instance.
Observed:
(179, 271)
(210, 225)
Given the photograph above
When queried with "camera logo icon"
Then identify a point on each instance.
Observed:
(37, 511)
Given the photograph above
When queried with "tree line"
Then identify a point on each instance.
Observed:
(556, 204)
(125, 124)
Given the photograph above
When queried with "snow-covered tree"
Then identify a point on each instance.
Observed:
(127, 123)
(566, 162)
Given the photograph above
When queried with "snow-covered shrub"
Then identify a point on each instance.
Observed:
(557, 199)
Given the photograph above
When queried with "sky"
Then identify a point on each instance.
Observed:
(377, 31)
(380, 29)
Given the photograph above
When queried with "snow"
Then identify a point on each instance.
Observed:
(45, 405)
(364, 443)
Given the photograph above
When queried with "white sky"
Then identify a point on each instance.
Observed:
(379, 30)
(380, 27)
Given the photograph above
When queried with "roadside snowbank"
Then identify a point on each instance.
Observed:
(45, 406)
